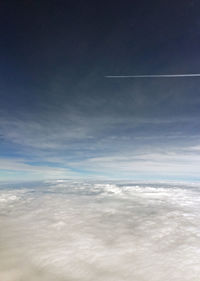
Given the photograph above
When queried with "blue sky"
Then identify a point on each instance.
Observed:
(61, 118)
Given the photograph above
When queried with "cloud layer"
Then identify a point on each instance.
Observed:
(58, 230)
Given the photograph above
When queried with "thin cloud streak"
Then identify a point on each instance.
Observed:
(155, 75)
(101, 146)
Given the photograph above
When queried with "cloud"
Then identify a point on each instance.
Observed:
(168, 164)
(65, 231)
(195, 148)
(91, 138)
(13, 165)
(61, 131)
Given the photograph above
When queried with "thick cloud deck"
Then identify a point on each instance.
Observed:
(66, 230)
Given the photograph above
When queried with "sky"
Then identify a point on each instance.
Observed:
(61, 118)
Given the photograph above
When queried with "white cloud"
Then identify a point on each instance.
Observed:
(194, 148)
(110, 145)
(144, 165)
(33, 171)
(105, 230)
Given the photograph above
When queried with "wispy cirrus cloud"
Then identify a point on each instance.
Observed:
(133, 136)
(152, 165)
(30, 170)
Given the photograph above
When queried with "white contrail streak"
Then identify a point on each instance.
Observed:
(155, 75)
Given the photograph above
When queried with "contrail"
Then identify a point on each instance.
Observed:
(155, 75)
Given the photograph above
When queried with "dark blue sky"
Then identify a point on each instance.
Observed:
(59, 115)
